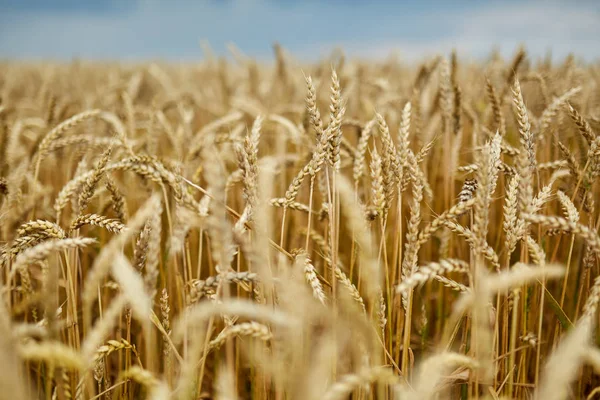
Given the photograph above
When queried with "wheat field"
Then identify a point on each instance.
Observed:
(335, 230)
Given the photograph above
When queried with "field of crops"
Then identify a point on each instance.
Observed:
(345, 229)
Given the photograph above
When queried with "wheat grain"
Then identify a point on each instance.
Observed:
(378, 184)
(252, 329)
(43, 250)
(111, 225)
(348, 383)
(334, 129)
(52, 353)
(391, 173)
(116, 198)
(564, 363)
(114, 345)
(153, 252)
(432, 370)
(62, 128)
(568, 207)
(565, 225)
(310, 275)
(361, 150)
(499, 121)
(431, 271)
(553, 108)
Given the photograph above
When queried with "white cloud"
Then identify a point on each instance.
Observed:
(541, 26)
(171, 30)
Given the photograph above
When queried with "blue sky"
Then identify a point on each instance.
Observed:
(145, 29)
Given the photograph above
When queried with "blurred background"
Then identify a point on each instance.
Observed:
(173, 29)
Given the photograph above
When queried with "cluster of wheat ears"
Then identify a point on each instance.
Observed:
(290, 231)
